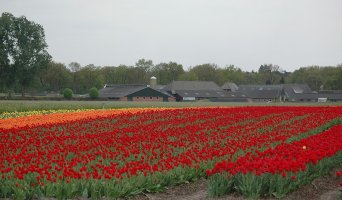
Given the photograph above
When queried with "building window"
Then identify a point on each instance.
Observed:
(137, 97)
(151, 98)
(144, 98)
(157, 98)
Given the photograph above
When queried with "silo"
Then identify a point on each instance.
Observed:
(153, 82)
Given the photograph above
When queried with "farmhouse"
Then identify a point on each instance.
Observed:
(302, 92)
(131, 92)
(263, 93)
(201, 90)
(290, 92)
(230, 86)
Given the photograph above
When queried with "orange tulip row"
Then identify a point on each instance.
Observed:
(37, 120)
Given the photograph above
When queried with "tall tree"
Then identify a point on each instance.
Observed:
(160, 72)
(251, 78)
(331, 79)
(136, 75)
(25, 46)
(271, 73)
(7, 71)
(76, 76)
(121, 75)
(174, 71)
(338, 75)
(58, 76)
(109, 74)
(232, 74)
(147, 65)
(92, 77)
(208, 72)
(43, 78)
(188, 76)
(282, 80)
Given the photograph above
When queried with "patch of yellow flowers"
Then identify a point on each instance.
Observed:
(7, 115)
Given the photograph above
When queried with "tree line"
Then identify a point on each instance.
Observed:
(27, 67)
(57, 76)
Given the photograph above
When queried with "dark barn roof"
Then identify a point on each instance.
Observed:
(117, 91)
(147, 91)
(192, 85)
(261, 91)
(202, 93)
(315, 96)
(291, 89)
(230, 86)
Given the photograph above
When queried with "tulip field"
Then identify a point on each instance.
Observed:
(255, 151)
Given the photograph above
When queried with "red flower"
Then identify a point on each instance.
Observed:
(293, 177)
(284, 174)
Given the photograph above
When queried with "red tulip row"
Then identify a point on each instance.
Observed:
(151, 143)
(286, 159)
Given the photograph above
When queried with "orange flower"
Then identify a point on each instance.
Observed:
(38, 120)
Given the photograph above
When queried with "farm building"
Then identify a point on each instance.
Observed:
(134, 93)
(199, 90)
(290, 92)
(263, 93)
(229, 86)
(131, 92)
(302, 92)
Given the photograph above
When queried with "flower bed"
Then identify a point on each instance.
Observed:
(281, 170)
(128, 152)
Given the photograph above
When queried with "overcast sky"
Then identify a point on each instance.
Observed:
(244, 33)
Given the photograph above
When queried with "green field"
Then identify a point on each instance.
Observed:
(20, 106)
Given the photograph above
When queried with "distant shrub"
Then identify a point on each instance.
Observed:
(67, 93)
(93, 93)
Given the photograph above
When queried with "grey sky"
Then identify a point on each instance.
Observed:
(245, 33)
